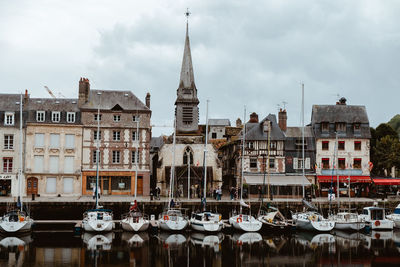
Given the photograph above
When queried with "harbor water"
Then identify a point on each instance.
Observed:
(65, 248)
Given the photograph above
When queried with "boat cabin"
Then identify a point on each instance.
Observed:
(374, 213)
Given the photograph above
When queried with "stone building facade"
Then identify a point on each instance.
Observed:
(10, 138)
(53, 147)
(351, 125)
(124, 141)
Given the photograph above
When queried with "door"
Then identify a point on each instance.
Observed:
(106, 185)
(32, 186)
(139, 186)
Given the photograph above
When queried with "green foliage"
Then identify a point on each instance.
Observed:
(386, 154)
(395, 123)
(383, 130)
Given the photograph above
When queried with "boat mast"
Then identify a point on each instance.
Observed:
(337, 170)
(137, 151)
(20, 155)
(98, 152)
(268, 151)
(333, 169)
(205, 159)
(171, 182)
(302, 136)
(243, 141)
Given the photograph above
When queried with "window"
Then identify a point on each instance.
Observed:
(187, 153)
(135, 118)
(357, 145)
(39, 140)
(68, 186)
(69, 164)
(7, 164)
(117, 118)
(55, 116)
(70, 117)
(357, 127)
(253, 162)
(325, 126)
(135, 136)
(299, 164)
(116, 135)
(213, 135)
(299, 142)
(342, 163)
(341, 145)
(38, 167)
(95, 133)
(135, 157)
(9, 118)
(325, 145)
(187, 115)
(97, 117)
(40, 116)
(272, 145)
(70, 141)
(54, 140)
(325, 163)
(8, 141)
(357, 164)
(94, 153)
(341, 127)
(250, 145)
(115, 156)
(271, 163)
(51, 185)
(53, 164)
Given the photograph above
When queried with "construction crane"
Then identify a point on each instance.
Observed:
(51, 93)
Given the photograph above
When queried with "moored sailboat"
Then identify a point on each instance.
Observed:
(135, 220)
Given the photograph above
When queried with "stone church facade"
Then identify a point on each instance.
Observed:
(190, 141)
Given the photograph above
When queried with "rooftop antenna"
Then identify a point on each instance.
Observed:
(284, 104)
(278, 106)
(187, 14)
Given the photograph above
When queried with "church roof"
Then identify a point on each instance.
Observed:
(187, 76)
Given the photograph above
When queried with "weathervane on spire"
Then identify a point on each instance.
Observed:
(187, 14)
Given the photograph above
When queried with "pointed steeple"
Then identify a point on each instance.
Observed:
(187, 76)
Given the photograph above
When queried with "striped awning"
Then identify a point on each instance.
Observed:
(281, 180)
(344, 179)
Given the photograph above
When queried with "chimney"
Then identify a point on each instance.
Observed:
(84, 89)
(342, 101)
(148, 100)
(26, 97)
(282, 117)
(253, 117)
(238, 122)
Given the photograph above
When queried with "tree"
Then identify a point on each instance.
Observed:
(386, 155)
(383, 130)
(395, 123)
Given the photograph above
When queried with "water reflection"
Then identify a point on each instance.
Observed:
(197, 249)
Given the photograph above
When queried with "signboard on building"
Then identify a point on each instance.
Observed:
(7, 176)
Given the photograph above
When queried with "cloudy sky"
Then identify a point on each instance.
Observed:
(253, 53)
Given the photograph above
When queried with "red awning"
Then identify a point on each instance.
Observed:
(387, 181)
(344, 179)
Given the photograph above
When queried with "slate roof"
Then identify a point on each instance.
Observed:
(8, 102)
(110, 98)
(156, 142)
(339, 113)
(52, 104)
(254, 131)
(219, 122)
(297, 132)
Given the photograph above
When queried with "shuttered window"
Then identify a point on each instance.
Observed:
(38, 167)
(54, 140)
(53, 162)
(51, 185)
(39, 140)
(69, 141)
(68, 185)
(69, 164)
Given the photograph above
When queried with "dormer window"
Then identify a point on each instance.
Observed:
(340, 127)
(97, 117)
(325, 127)
(117, 118)
(135, 118)
(250, 145)
(70, 117)
(266, 126)
(9, 118)
(40, 116)
(357, 127)
(55, 116)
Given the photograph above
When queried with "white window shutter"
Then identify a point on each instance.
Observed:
(53, 168)
(307, 163)
(68, 185)
(68, 164)
(70, 141)
(295, 163)
(51, 185)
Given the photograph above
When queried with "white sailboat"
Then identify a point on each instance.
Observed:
(206, 221)
(135, 220)
(240, 221)
(395, 216)
(98, 219)
(17, 221)
(374, 218)
(172, 218)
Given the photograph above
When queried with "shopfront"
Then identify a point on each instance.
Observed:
(5, 184)
(112, 183)
(359, 185)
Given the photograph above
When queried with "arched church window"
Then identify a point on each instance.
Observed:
(188, 153)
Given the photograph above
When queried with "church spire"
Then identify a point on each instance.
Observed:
(187, 76)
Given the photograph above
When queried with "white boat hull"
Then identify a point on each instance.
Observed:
(98, 221)
(202, 226)
(381, 224)
(16, 227)
(128, 224)
(250, 225)
(316, 223)
(395, 218)
(168, 225)
(349, 226)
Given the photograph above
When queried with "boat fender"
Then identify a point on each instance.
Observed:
(166, 217)
(21, 219)
(377, 223)
(313, 218)
(239, 220)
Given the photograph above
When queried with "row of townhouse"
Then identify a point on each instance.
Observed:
(59, 142)
(336, 146)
